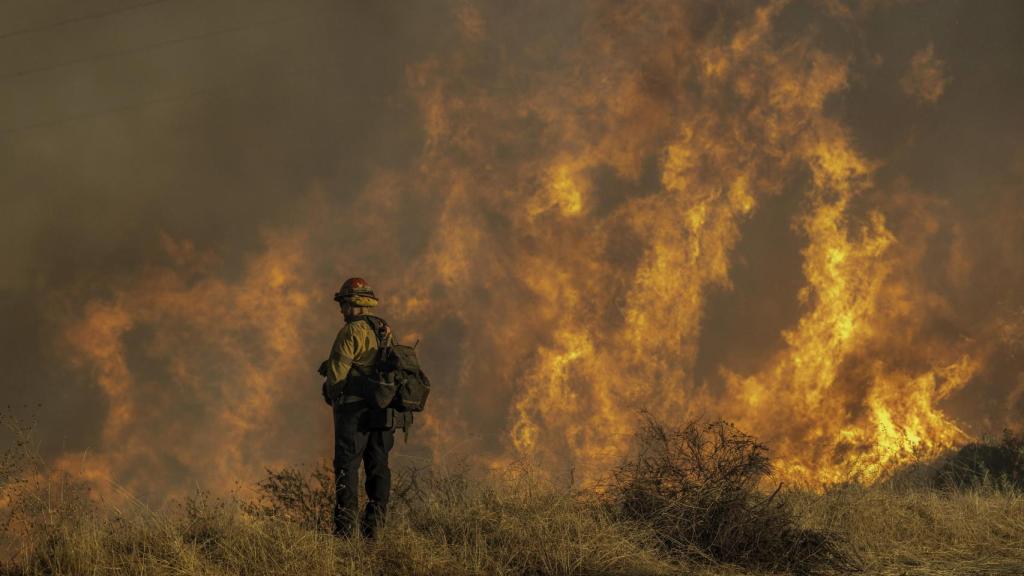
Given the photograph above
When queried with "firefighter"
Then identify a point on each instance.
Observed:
(358, 432)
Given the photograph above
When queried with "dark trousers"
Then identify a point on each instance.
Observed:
(355, 441)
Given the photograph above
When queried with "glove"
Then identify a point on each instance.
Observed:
(325, 390)
(322, 370)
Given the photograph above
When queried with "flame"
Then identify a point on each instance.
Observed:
(583, 203)
(228, 350)
(615, 338)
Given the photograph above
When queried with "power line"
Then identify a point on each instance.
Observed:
(149, 47)
(83, 18)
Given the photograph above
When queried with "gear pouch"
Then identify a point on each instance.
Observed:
(380, 419)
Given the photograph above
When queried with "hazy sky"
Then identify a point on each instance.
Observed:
(205, 121)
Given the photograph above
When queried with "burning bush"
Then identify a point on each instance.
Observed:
(697, 486)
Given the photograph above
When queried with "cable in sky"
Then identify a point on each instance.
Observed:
(83, 18)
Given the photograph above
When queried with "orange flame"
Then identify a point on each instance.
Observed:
(583, 205)
(229, 349)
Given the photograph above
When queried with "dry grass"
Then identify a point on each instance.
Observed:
(459, 528)
(515, 524)
(918, 530)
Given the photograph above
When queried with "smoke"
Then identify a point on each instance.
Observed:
(803, 217)
(925, 79)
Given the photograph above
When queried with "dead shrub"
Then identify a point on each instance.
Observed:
(998, 465)
(294, 495)
(698, 485)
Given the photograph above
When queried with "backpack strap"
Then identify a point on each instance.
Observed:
(382, 332)
(380, 329)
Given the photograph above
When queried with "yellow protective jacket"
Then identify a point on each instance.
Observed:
(355, 346)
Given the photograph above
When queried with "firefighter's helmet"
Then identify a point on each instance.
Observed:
(356, 292)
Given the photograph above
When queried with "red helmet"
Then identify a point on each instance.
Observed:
(354, 287)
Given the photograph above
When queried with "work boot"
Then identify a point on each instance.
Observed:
(373, 519)
(344, 520)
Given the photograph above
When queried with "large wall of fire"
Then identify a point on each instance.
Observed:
(803, 217)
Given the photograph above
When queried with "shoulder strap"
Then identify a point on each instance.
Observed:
(378, 326)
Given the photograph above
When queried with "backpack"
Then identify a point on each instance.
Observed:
(399, 382)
